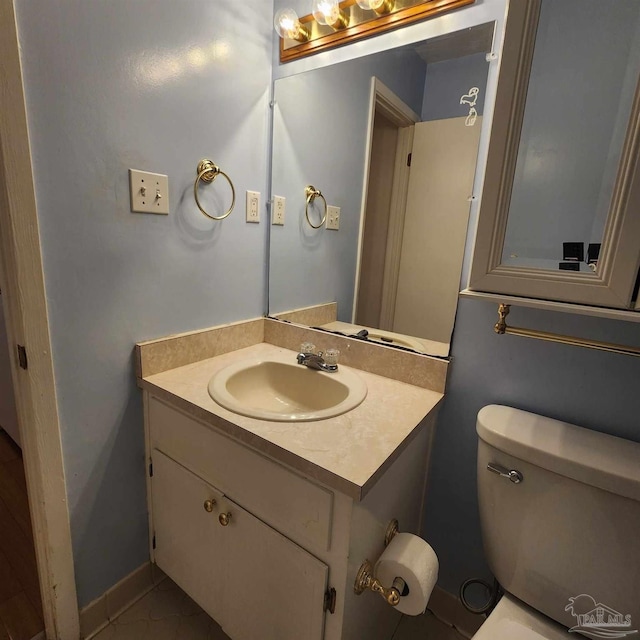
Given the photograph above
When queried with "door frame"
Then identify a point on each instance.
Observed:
(27, 324)
(396, 111)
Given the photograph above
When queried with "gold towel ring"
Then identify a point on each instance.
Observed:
(207, 172)
(312, 193)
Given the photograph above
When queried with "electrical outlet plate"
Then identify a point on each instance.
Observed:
(149, 192)
(279, 207)
(333, 218)
(253, 206)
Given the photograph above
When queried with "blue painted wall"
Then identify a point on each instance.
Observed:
(154, 85)
(589, 388)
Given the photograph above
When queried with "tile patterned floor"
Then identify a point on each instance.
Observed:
(167, 613)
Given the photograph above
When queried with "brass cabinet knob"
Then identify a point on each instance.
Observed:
(208, 505)
(225, 519)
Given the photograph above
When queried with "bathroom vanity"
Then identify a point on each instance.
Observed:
(265, 524)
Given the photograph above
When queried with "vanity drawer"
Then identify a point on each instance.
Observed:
(279, 497)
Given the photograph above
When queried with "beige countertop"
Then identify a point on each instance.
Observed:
(347, 453)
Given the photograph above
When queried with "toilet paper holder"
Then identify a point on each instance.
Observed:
(366, 581)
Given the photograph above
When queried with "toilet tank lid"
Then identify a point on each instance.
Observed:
(597, 459)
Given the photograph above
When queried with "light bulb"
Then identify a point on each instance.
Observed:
(287, 25)
(329, 12)
(379, 6)
(323, 10)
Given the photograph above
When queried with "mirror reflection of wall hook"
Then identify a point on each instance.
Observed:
(470, 98)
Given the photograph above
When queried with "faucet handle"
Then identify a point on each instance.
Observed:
(307, 347)
(331, 356)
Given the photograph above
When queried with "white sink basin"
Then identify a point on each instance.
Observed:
(286, 392)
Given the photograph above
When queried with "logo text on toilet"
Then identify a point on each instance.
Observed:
(598, 620)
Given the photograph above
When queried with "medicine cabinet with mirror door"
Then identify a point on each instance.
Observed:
(391, 139)
(560, 213)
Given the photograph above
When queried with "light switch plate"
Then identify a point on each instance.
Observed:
(149, 192)
(279, 207)
(253, 206)
(333, 218)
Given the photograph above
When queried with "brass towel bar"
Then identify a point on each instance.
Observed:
(502, 328)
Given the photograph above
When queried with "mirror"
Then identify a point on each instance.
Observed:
(580, 94)
(559, 216)
(391, 140)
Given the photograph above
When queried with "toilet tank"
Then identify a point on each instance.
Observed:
(566, 539)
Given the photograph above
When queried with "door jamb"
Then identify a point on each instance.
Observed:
(392, 107)
(27, 325)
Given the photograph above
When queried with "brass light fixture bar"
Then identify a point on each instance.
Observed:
(362, 23)
(384, 6)
(502, 328)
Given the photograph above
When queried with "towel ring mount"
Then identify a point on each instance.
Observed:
(208, 171)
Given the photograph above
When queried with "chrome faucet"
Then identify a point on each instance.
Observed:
(315, 361)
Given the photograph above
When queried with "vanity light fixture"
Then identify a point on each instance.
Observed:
(329, 12)
(288, 25)
(381, 7)
(333, 23)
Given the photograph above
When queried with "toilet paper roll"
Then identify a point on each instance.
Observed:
(412, 559)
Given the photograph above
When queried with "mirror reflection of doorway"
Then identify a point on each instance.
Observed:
(420, 179)
(390, 145)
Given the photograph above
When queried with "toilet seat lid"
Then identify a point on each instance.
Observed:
(514, 620)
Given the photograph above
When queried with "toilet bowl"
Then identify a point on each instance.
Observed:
(514, 620)
(560, 516)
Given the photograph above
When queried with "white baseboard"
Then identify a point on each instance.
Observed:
(97, 615)
(447, 607)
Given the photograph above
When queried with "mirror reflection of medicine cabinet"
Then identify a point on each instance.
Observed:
(560, 212)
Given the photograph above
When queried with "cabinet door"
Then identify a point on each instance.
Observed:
(187, 536)
(272, 589)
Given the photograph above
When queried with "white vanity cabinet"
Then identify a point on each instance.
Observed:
(262, 548)
(245, 574)
(189, 549)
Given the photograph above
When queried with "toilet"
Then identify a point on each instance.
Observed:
(560, 518)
